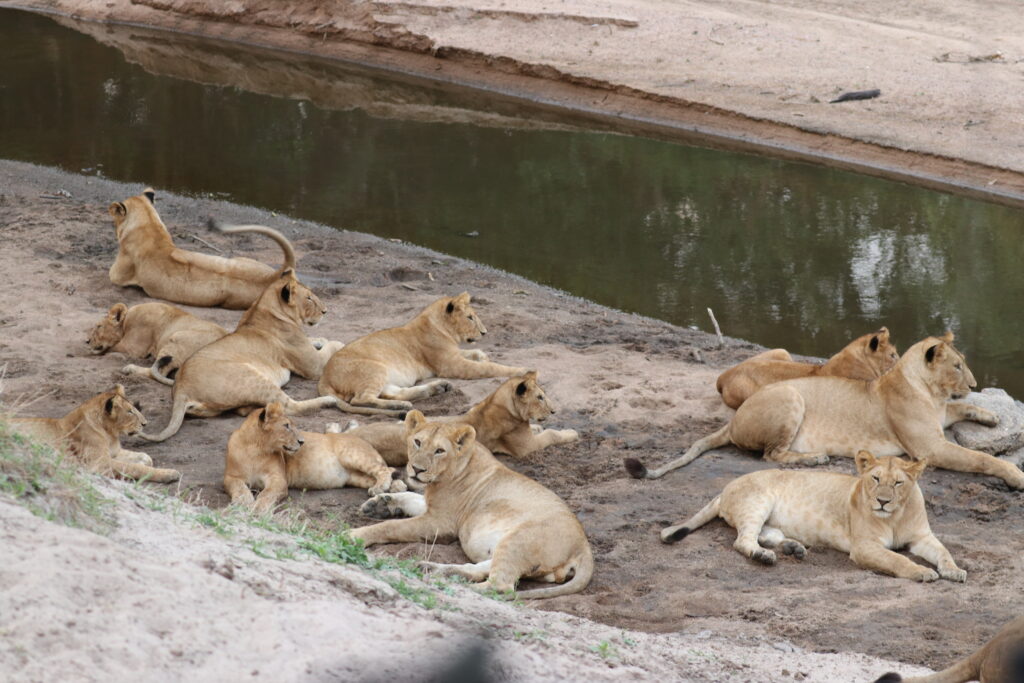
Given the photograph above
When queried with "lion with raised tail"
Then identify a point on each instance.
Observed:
(866, 358)
(91, 434)
(148, 258)
(269, 453)
(868, 516)
(804, 421)
(1000, 660)
(508, 525)
(163, 332)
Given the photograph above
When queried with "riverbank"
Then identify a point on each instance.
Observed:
(630, 386)
(948, 72)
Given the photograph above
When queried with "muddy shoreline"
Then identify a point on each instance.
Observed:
(366, 40)
(630, 385)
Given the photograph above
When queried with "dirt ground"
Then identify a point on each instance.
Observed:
(754, 75)
(631, 386)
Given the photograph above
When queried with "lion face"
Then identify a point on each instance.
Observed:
(305, 307)
(880, 352)
(886, 483)
(462, 321)
(109, 331)
(529, 399)
(119, 415)
(437, 450)
(947, 369)
(277, 431)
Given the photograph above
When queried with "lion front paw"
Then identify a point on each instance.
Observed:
(441, 387)
(381, 506)
(318, 342)
(764, 556)
(953, 574)
(794, 548)
(568, 435)
(924, 575)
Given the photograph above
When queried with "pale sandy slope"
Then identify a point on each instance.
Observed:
(779, 60)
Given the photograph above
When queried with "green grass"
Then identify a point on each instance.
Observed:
(605, 650)
(48, 484)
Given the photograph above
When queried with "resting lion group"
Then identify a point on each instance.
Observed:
(867, 402)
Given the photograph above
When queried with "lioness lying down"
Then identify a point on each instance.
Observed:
(147, 258)
(1000, 660)
(903, 411)
(247, 368)
(163, 332)
(381, 369)
(501, 421)
(267, 452)
(867, 516)
(866, 358)
(91, 435)
(508, 525)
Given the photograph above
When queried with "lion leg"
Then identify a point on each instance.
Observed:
(771, 537)
(932, 550)
(878, 558)
(953, 457)
(393, 391)
(131, 470)
(423, 528)
(471, 572)
(362, 380)
(239, 491)
(137, 457)
(769, 421)
(473, 354)
(459, 367)
(136, 370)
(274, 491)
(310, 405)
(957, 411)
(386, 506)
(525, 440)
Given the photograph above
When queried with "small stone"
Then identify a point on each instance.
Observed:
(1008, 435)
(784, 647)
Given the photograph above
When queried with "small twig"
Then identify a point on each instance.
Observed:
(718, 330)
(202, 241)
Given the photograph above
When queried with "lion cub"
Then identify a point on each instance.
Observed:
(502, 423)
(381, 369)
(867, 516)
(804, 421)
(147, 258)
(267, 452)
(166, 333)
(866, 358)
(508, 525)
(91, 434)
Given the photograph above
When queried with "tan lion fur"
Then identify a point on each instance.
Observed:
(381, 369)
(1000, 660)
(91, 434)
(868, 516)
(904, 411)
(247, 368)
(502, 422)
(267, 452)
(509, 526)
(865, 358)
(163, 332)
(147, 258)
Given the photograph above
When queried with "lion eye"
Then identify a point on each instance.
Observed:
(439, 451)
(416, 443)
(877, 480)
(899, 483)
(958, 366)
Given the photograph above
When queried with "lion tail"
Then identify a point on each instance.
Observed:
(967, 669)
(637, 470)
(678, 532)
(178, 411)
(282, 241)
(579, 580)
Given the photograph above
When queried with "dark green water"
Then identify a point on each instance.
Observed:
(786, 254)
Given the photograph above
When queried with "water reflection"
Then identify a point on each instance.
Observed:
(786, 254)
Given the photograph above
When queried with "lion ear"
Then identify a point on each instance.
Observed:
(521, 389)
(865, 461)
(532, 374)
(463, 436)
(118, 312)
(915, 468)
(109, 406)
(119, 389)
(930, 354)
(286, 293)
(414, 420)
(150, 195)
(117, 210)
(462, 298)
(948, 337)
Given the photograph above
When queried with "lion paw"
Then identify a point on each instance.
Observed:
(984, 417)
(569, 435)
(318, 342)
(820, 459)
(953, 574)
(794, 548)
(476, 354)
(924, 575)
(397, 486)
(764, 556)
(381, 506)
(442, 386)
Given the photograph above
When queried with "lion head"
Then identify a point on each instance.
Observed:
(460, 320)
(528, 400)
(109, 331)
(886, 483)
(141, 207)
(289, 299)
(880, 354)
(118, 415)
(941, 366)
(438, 451)
(277, 434)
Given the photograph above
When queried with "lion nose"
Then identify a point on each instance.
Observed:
(883, 501)
(302, 441)
(416, 470)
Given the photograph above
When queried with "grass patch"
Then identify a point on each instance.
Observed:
(49, 484)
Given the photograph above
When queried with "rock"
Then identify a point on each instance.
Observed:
(784, 647)
(1008, 435)
(1016, 457)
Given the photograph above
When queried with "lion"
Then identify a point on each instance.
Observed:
(246, 369)
(502, 422)
(163, 332)
(268, 452)
(868, 516)
(509, 526)
(381, 369)
(91, 435)
(1000, 660)
(147, 258)
(866, 358)
(803, 421)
